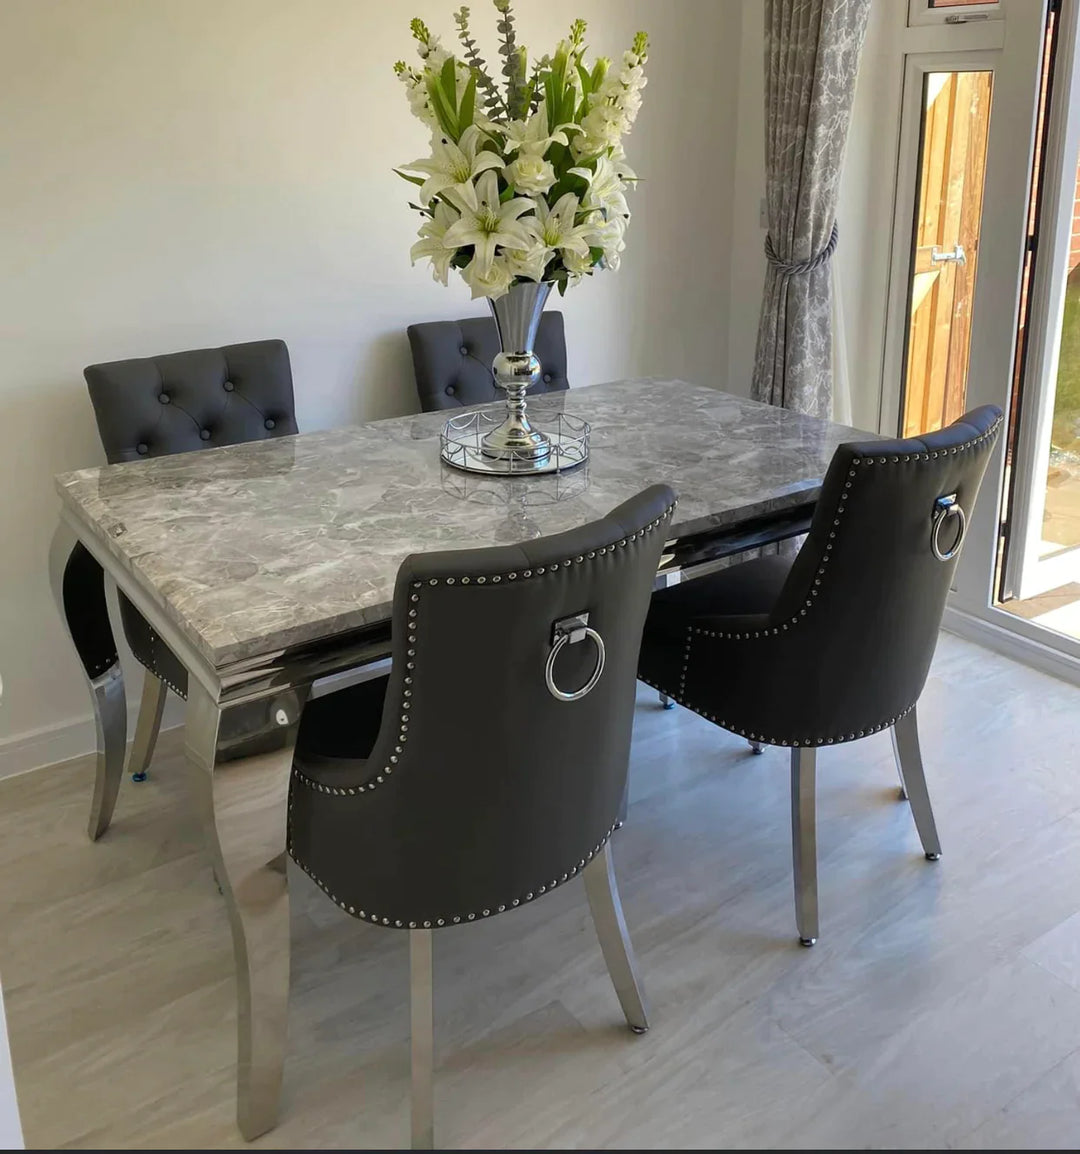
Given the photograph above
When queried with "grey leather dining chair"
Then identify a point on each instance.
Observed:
(425, 804)
(833, 644)
(179, 403)
(452, 360)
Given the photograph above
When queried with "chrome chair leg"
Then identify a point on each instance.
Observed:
(666, 701)
(603, 893)
(422, 1040)
(899, 764)
(147, 727)
(756, 746)
(804, 842)
(909, 756)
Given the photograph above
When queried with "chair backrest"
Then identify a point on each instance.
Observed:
(452, 360)
(153, 406)
(859, 614)
(483, 789)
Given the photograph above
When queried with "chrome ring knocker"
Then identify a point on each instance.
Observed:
(569, 631)
(945, 508)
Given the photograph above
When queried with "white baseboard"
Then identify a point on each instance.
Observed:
(1012, 644)
(65, 740)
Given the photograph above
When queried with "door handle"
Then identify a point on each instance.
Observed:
(957, 254)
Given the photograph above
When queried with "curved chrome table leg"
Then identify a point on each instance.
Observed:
(78, 586)
(603, 893)
(243, 801)
(804, 842)
(909, 757)
(147, 727)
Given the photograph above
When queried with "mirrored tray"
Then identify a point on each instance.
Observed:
(461, 439)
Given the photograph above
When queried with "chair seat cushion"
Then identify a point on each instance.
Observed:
(743, 594)
(337, 732)
(745, 590)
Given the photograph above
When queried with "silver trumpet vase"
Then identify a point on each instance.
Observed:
(516, 368)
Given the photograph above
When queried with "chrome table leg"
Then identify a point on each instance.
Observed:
(909, 757)
(422, 1040)
(147, 727)
(78, 586)
(603, 893)
(804, 842)
(243, 803)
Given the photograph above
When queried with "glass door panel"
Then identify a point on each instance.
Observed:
(945, 247)
(1041, 580)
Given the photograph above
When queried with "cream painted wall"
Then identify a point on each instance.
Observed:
(180, 173)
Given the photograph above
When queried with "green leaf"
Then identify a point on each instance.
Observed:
(417, 180)
(526, 98)
(586, 80)
(549, 99)
(448, 77)
(468, 105)
(446, 115)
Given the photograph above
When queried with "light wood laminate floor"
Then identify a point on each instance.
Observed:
(941, 1005)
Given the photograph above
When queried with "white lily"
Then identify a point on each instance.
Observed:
(492, 282)
(454, 167)
(487, 224)
(610, 236)
(606, 189)
(555, 228)
(577, 265)
(432, 242)
(532, 135)
(528, 263)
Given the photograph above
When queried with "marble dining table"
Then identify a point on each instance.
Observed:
(268, 568)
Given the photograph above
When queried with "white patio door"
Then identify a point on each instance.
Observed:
(1043, 516)
(960, 242)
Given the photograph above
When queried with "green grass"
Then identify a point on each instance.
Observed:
(1066, 427)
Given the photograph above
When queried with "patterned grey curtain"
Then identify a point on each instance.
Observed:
(811, 61)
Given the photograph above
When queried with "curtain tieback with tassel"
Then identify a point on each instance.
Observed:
(795, 268)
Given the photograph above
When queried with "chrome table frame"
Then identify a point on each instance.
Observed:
(241, 726)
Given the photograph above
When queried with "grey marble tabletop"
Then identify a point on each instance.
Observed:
(256, 547)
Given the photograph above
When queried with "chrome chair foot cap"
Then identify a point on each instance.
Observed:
(933, 856)
(640, 1029)
(139, 776)
(808, 942)
(669, 704)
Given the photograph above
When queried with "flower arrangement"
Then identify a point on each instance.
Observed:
(526, 181)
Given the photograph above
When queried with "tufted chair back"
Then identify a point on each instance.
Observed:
(179, 402)
(153, 406)
(483, 788)
(452, 360)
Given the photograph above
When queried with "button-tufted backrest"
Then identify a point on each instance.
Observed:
(153, 406)
(452, 360)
